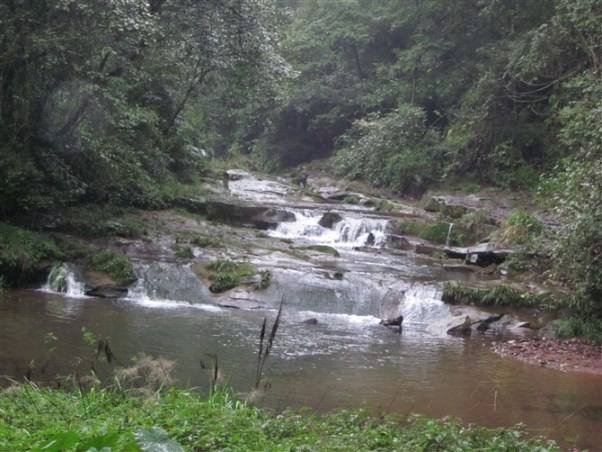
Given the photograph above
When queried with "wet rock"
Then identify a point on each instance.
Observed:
(482, 255)
(236, 174)
(464, 329)
(106, 291)
(239, 303)
(397, 321)
(312, 321)
(244, 214)
(422, 248)
(398, 242)
(329, 219)
(390, 305)
(98, 284)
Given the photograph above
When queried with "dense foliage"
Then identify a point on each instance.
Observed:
(101, 101)
(109, 102)
(34, 418)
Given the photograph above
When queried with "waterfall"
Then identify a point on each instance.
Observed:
(63, 279)
(347, 231)
(416, 303)
(422, 304)
(449, 234)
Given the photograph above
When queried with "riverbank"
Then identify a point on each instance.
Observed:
(572, 355)
(35, 418)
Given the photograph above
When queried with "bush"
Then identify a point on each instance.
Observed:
(22, 252)
(224, 274)
(579, 326)
(436, 233)
(520, 227)
(115, 265)
(500, 295)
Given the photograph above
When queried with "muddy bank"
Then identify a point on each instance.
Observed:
(573, 355)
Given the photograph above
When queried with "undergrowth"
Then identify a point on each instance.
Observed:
(38, 418)
(22, 251)
(589, 328)
(500, 295)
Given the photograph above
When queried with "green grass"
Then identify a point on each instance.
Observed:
(116, 265)
(36, 418)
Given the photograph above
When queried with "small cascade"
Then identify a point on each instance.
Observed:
(422, 304)
(416, 303)
(449, 235)
(347, 231)
(162, 282)
(63, 279)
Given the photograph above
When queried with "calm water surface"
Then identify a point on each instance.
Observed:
(344, 361)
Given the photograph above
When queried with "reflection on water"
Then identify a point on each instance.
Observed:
(342, 361)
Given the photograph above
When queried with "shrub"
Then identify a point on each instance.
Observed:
(579, 326)
(116, 265)
(436, 233)
(224, 274)
(22, 251)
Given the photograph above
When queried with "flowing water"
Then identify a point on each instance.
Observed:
(342, 359)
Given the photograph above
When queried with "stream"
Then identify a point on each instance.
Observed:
(342, 357)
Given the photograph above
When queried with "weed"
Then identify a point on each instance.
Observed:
(266, 279)
(204, 241)
(184, 252)
(263, 354)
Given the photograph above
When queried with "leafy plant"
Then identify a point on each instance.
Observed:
(116, 265)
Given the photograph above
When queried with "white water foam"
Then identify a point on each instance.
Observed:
(74, 288)
(348, 232)
(423, 304)
(341, 319)
(139, 296)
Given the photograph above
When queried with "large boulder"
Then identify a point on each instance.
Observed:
(329, 219)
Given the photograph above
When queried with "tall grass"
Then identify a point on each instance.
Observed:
(263, 353)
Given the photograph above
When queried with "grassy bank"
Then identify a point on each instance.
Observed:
(35, 418)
